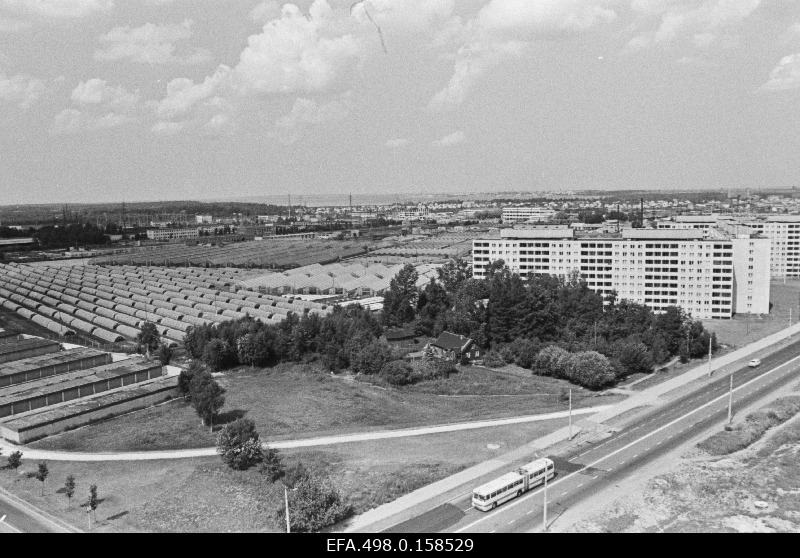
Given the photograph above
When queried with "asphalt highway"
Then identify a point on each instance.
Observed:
(592, 468)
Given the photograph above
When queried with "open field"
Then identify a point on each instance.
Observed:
(743, 329)
(295, 401)
(191, 495)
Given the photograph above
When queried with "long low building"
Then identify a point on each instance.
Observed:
(710, 274)
(60, 388)
(25, 348)
(41, 366)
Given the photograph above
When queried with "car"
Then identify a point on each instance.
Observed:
(754, 363)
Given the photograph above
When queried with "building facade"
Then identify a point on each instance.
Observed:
(173, 234)
(523, 214)
(782, 230)
(710, 274)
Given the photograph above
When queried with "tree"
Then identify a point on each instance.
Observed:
(634, 358)
(15, 460)
(370, 358)
(314, 504)
(552, 361)
(185, 378)
(164, 354)
(207, 397)
(590, 369)
(272, 465)
(238, 444)
(69, 488)
(398, 373)
(454, 273)
(148, 336)
(219, 355)
(93, 503)
(41, 474)
(400, 299)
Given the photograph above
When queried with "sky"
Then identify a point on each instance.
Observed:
(133, 100)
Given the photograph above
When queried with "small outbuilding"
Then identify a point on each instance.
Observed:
(454, 347)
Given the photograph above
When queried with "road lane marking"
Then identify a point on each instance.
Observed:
(639, 440)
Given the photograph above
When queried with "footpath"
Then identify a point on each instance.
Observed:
(588, 430)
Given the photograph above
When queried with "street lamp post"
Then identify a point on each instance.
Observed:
(544, 513)
(730, 401)
(286, 501)
(570, 419)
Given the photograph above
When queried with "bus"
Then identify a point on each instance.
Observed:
(490, 495)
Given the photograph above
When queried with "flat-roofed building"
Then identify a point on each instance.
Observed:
(173, 233)
(25, 348)
(530, 213)
(41, 366)
(711, 273)
(52, 390)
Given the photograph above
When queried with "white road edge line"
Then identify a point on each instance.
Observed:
(654, 432)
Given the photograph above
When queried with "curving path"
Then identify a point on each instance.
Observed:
(55, 455)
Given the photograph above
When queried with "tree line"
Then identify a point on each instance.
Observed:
(518, 319)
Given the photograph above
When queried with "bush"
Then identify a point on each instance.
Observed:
(219, 355)
(552, 361)
(238, 444)
(590, 369)
(493, 360)
(314, 504)
(398, 373)
(371, 358)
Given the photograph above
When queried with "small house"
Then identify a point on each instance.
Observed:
(454, 347)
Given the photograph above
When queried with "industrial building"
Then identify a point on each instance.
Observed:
(710, 274)
(173, 234)
(72, 386)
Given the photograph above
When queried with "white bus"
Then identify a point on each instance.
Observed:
(511, 485)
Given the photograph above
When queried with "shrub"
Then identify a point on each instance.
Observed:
(371, 358)
(552, 361)
(238, 444)
(493, 360)
(314, 504)
(398, 373)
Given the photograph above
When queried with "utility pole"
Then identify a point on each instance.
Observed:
(730, 401)
(570, 419)
(709, 355)
(544, 513)
(790, 316)
(286, 500)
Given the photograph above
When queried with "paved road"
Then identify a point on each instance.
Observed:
(55, 455)
(19, 516)
(592, 468)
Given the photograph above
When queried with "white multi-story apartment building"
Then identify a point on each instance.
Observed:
(782, 230)
(524, 214)
(711, 274)
(173, 234)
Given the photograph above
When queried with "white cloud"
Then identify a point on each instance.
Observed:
(306, 113)
(704, 22)
(163, 128)
(292, 53)
(397, 142)
(451, 139)
(57, 8)
(786, 75)
(150, 44)
(96, 91)
(20, 89)
(101, 105)
(504, 28)
(265, 11)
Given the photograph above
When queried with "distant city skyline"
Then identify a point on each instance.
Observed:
(104, 101)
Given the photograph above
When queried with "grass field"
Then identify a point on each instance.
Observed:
(743, 329)
(201, 495)
(741, 434)
(295, 401)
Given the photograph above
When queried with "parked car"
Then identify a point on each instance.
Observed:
(754, 363)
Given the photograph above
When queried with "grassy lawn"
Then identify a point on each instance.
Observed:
(742, 329)
(295, 401)
(202, 495)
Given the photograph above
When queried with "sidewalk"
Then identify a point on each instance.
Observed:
(56, 455)
(440, 492)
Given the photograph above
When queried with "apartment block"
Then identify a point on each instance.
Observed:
(712, 273)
